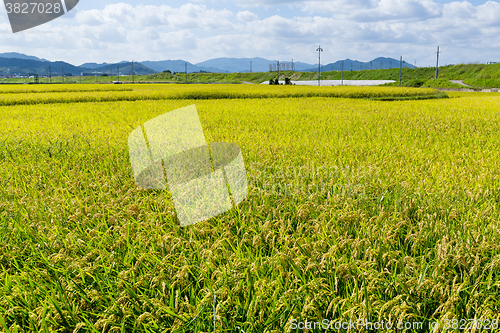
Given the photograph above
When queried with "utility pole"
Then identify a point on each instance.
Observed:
(278, 72)
(62, 74)
(50, 74)
(118, 74)
(381, 65)
(293, 67)
(437, 64)
(342, 78)
(111, 74)
(186, 71)
(400, 63)
(250, 67)
(371, 65)
(133, 79)
(319, 49)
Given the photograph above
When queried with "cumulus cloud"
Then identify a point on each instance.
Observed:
(246, 16)
(374, 10)
(266, 3)
(361, 29)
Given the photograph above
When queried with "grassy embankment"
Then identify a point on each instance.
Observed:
(476, 75)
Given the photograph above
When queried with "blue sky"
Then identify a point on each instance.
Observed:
(111, 31)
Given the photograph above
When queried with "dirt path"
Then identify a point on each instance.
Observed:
(460, 82)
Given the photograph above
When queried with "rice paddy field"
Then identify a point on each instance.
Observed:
(366, 204)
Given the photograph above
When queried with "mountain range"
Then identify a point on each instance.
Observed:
(20, 56)
(13, 62)
(377, 63)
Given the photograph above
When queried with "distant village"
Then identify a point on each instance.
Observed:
(8, 75)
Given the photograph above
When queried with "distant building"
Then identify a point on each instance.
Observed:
(94, 73)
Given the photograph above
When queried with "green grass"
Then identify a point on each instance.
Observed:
(358, 209)
(24, 95)
(423, 83)
(483, 83)
(477, 75)
(441, 83)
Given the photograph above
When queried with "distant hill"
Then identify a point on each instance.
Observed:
(355, 65)
(125, 69)
(16, 55)
(242, 65)
(219, 65)
(92, 65)
(13, 62)
(178, 66)
(24, 66)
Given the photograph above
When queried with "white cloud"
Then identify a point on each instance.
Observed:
(373, 10)
(90, 17)
(246, 16)
(361, 29)
(266, 3)
(489, 14)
